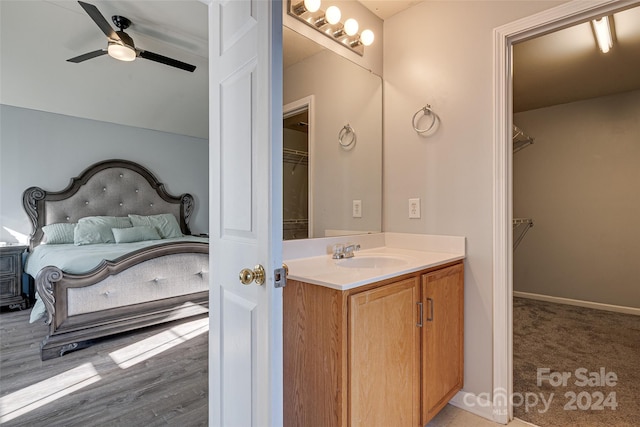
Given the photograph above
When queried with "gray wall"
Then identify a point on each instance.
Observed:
(46, 150)
(580, 182)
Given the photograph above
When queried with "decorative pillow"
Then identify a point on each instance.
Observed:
(166, 224)
(97, 229)
(135, 234)
(59, 233)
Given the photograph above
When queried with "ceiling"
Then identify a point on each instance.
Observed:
(567, 66)
(37, 37)
(556, 68)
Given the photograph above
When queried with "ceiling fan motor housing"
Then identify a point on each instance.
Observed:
(121, 22)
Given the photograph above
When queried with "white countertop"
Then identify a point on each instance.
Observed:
(367, 266)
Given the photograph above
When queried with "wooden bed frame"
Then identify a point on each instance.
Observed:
(117, 188)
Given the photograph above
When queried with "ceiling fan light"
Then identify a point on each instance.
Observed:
(121, 52)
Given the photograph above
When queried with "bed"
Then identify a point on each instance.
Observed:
(111, 253)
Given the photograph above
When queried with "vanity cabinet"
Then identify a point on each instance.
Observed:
(442, 338)
(384, 355)
(387, 353)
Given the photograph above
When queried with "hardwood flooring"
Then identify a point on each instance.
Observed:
(152, 377)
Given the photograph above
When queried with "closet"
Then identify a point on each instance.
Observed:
(520, 225)
(295, 180)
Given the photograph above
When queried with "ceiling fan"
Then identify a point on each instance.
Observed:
(120, 44)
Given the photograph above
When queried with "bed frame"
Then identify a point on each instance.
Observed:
(151, 286)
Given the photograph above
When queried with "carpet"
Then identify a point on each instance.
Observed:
(574, 366)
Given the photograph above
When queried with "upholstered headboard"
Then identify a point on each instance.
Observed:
(108, 188)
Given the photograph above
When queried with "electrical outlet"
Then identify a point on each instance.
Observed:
(357, 208)
(414, 208)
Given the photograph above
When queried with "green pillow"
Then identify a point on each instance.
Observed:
(59, 233)
(166, 224)
(97, 229)
(135, 234)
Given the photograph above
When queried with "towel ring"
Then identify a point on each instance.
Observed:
(425, 110)
(347, 136)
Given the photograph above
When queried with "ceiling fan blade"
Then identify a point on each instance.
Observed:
(89, 55)
(97, 17)
(167, 61)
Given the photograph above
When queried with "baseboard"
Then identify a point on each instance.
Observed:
(474, 404)
(579, 303)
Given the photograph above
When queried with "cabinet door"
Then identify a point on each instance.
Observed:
(442, 342)
(384, 356)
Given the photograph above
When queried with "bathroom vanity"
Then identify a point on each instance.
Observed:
(372, 340)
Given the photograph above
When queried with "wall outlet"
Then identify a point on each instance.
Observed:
(357, 208)
(414, 208)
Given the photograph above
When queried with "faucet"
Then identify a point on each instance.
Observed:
(345, 250)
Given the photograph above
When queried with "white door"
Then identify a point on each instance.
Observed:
(245, 157)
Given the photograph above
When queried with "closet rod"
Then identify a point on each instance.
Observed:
(517, 223)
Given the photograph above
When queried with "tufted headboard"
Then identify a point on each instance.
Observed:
(108, 188)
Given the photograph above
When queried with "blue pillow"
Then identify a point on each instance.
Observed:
(135, 234)
(59, 233)
(97, 229)
(166, 224)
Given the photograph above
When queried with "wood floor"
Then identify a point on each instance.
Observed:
(154, 377)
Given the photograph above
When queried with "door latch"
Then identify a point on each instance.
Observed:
(280, 276)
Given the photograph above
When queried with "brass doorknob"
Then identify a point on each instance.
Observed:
(257, 274)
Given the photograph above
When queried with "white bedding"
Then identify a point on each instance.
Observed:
(82, 259)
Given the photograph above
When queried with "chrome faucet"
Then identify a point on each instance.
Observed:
(345, 250)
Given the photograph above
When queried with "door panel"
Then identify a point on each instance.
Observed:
(384, 356)
(245, 164)
(442, 342)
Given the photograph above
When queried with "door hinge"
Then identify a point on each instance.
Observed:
(280, 277)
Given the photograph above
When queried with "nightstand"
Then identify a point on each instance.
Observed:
(11, 277)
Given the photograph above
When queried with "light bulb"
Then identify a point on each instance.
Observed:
(366, 37)
(333, 15)
(351, 26)
(312, 5)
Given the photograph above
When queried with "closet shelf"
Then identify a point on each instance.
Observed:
(295, 221)
(296, 157)
(520, 139)
(520, 227)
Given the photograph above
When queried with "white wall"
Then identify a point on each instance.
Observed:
(580, 181)
(46, 150)
(344, 93)
(441, 53)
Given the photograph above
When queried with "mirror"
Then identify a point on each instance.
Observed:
(332, 126)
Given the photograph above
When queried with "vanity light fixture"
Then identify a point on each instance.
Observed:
(328, 23)
(602, 30)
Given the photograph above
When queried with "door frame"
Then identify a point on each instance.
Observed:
(292, 108)
(504, 37)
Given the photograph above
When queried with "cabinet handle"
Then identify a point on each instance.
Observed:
(430, 302)
(419, 324)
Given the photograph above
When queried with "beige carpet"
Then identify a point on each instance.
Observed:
(555, 340)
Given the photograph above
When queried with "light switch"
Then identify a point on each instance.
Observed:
(414, 208)
(357, 208)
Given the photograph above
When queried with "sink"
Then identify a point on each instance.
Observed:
(372, 261)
